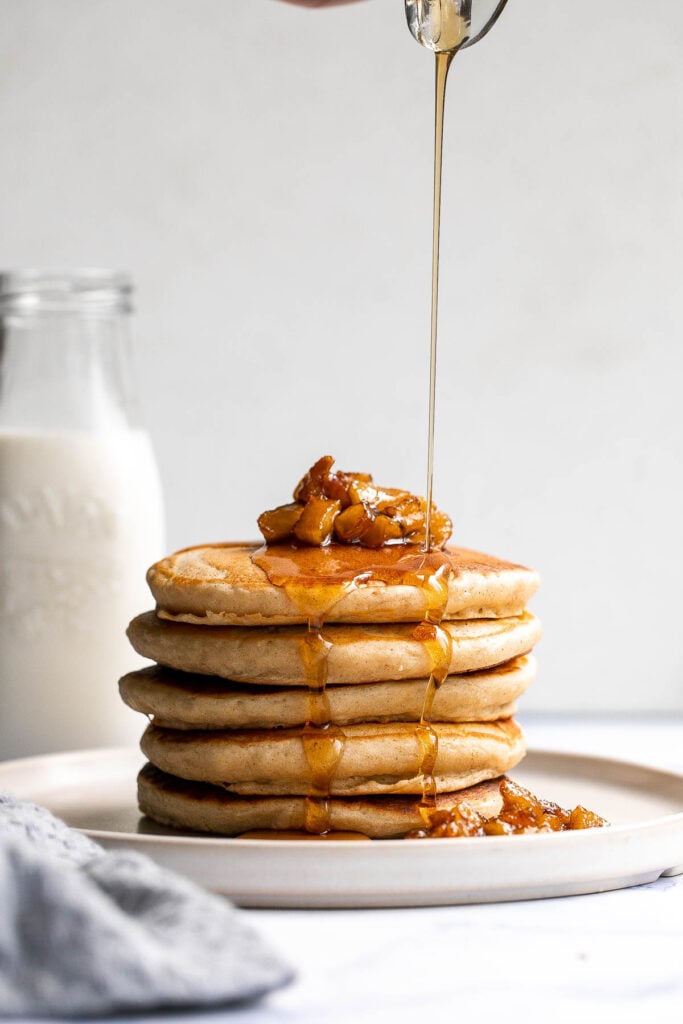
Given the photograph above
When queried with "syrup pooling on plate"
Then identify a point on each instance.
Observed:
(314, 579)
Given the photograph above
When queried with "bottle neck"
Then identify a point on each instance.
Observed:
(63, 366)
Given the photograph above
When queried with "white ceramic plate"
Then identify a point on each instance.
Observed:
(95, 791)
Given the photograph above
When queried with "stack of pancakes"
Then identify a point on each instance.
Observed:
(229, 696)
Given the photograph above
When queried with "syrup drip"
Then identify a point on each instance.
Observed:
(314, 579)
(323, 742)
(439, 646)
(314, 584)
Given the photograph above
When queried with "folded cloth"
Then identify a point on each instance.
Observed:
(84, 932)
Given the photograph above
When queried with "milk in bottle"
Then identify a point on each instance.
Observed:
(81, 513)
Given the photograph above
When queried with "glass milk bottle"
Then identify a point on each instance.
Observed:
(81, 514)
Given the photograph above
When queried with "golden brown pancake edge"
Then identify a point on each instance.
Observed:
(376, 757)
(359, 654)
(202, 807)
(219, 584)
(179, 700)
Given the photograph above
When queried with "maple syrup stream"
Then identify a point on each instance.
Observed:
(443, 63)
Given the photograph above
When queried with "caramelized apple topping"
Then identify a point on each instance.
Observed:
(348, 508)
(521, 812)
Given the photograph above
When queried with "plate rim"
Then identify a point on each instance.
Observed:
(105, 754)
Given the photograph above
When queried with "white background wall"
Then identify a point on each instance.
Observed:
(265, 173)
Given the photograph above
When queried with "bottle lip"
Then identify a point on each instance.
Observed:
(86, 290)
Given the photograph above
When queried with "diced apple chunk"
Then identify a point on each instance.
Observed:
(278, 523)
(316, 524)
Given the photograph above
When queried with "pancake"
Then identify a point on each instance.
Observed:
(205, 808)
(220, 585)
(376, 758)
(359, 654)
(178, 700)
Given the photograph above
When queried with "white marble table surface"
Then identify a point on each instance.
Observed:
(616, 956)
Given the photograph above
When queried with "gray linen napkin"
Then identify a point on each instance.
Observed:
(83, 931)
